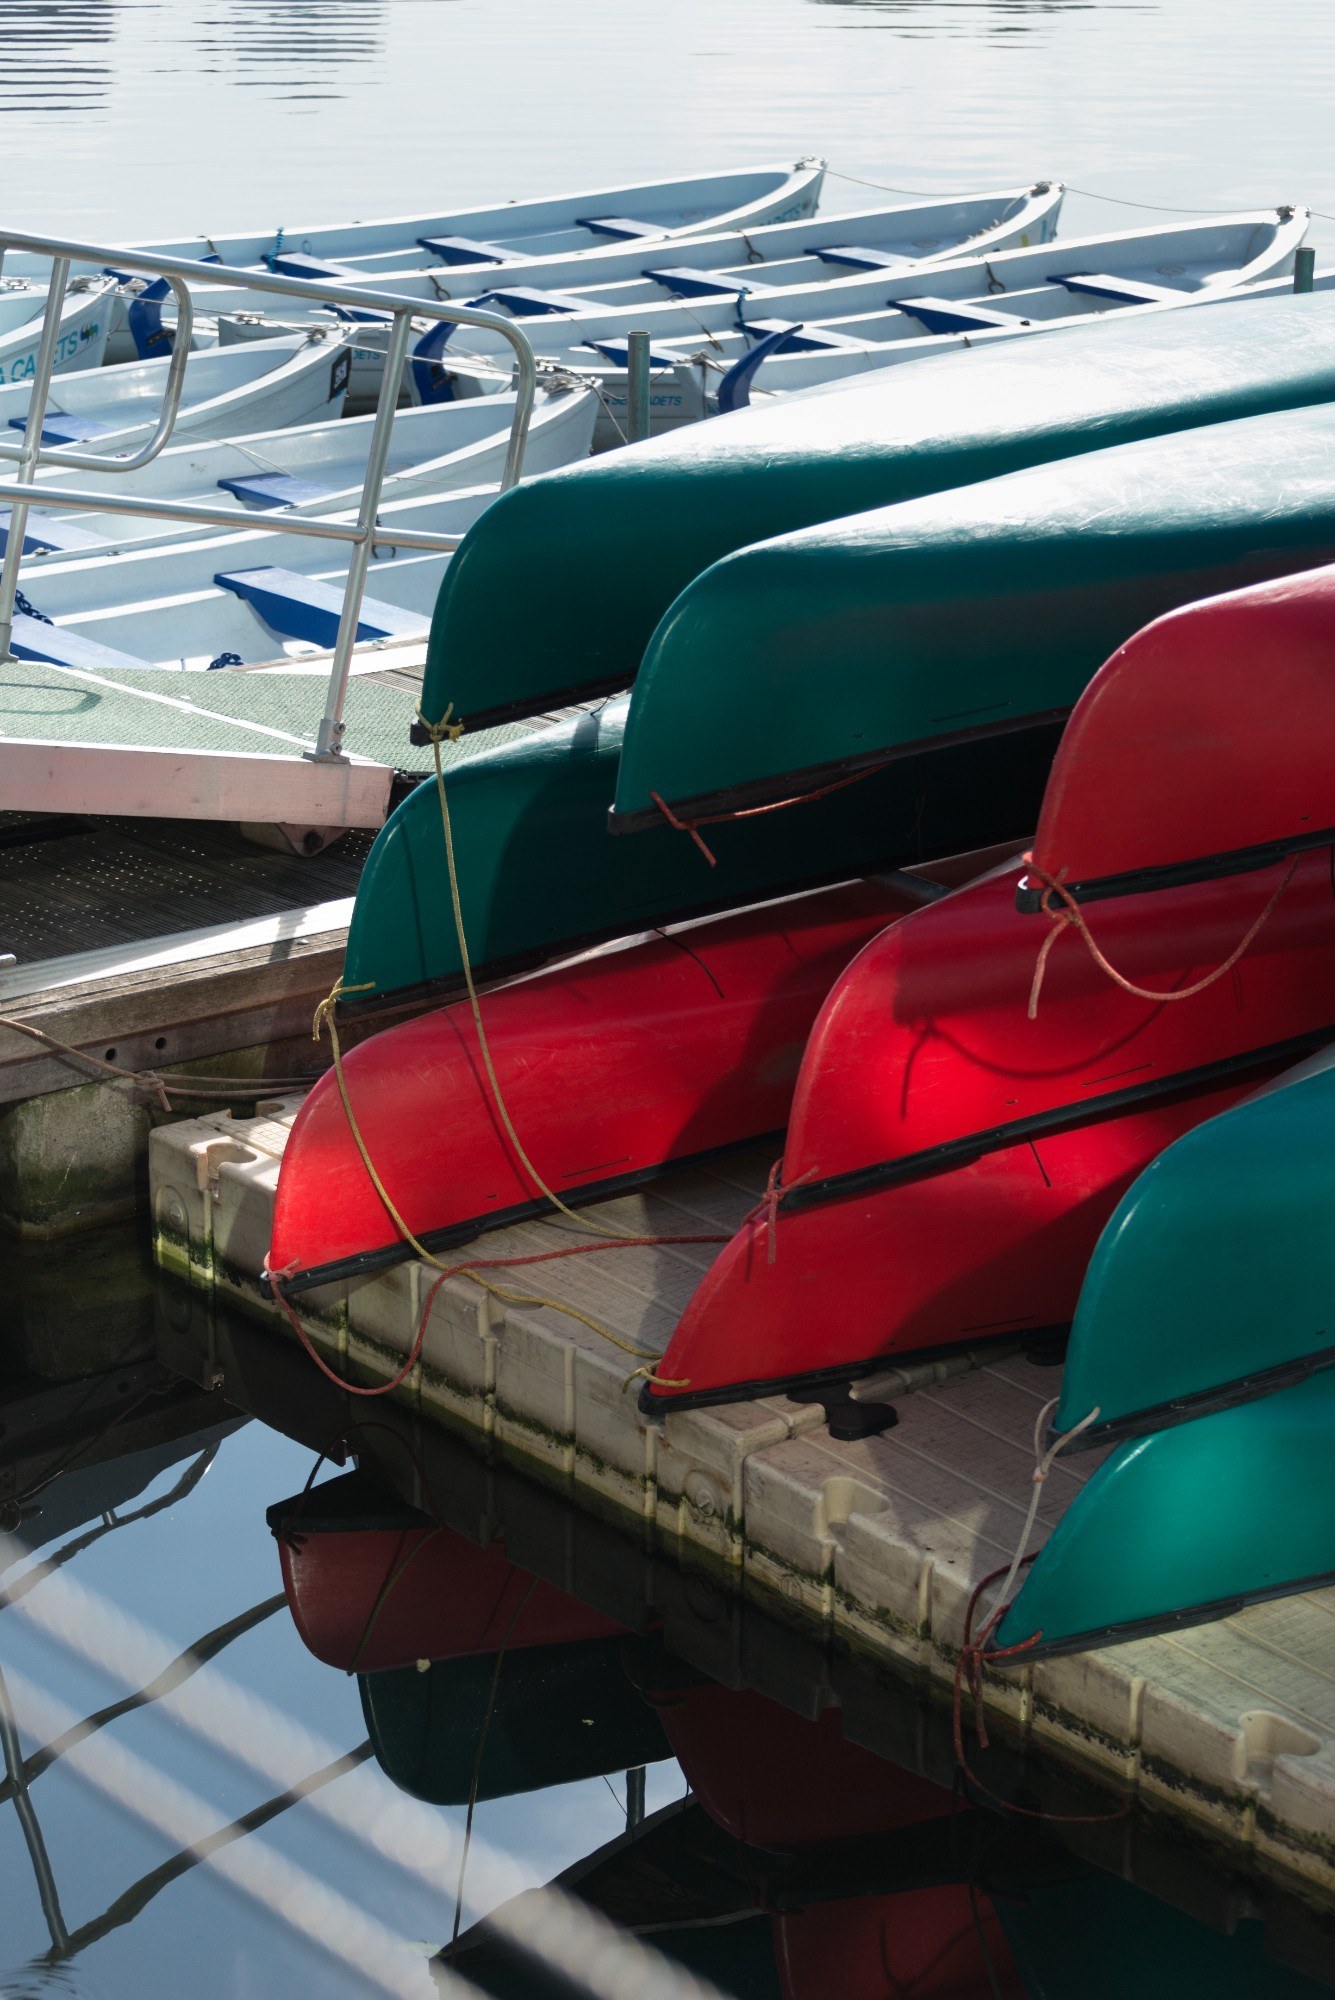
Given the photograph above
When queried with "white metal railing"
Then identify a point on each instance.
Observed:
(180, 273)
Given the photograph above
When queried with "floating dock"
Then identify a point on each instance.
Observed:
(871, 1547)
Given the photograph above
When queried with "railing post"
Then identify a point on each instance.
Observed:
(634, 1797)
(329, 741)
(637, 386)
(31, 449)
(1304, 267)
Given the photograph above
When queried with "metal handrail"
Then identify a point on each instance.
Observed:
(181, 272)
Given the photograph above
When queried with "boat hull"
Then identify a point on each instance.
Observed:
(673, 1049)
(1186, 1526)
(1199, 748)
(514, 806)
(967, 612)
(950, 1162)
(1211, 1283)
(608, 546)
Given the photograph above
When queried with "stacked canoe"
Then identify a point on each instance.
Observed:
(1003, 1088)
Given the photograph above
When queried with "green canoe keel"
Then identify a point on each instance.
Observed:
(974, 610)
(1214, 1281)
(604, 547)
(1188, 1525)
(540, 875)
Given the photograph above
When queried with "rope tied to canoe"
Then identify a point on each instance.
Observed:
(692, 826)
(766, 1210)
(974, 1654)
(1065, 913)
(447, 731)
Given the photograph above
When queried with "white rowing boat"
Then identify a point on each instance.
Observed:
(315, 469)
(641, 211)
(81, 338)
(804, 251)
(290, 380)
(847, 327)
(235, 598)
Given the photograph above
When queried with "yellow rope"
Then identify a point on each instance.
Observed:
(325, 1018)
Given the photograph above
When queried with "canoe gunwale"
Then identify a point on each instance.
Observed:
(1152, 1627)
(814, 778)
(524, 706)
(1175, 1410)
(1177, 874)
(807, 1387)
(954, 1153)
(364, 1262)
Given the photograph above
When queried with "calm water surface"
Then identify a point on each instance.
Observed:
(174, 1847)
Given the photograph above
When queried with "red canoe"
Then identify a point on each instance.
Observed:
(950, 1162)
(1201, 748)
(659, 1052)
(778, 1781)
(373, 1584)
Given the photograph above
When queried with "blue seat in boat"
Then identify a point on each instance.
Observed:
(618, 353)
(860, 259)
(464, 250)
(299, 264)
(276, 489)
(300, 607)
(954, 316)
(526, 300)
(622, 226)
(1125, 291)
(60, 428)
(43, 533)
(688, 284)
(803, 339)
(34, 639)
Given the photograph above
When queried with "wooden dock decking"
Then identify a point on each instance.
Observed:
(873, 1546)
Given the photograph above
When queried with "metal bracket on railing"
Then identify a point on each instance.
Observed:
(181, 273)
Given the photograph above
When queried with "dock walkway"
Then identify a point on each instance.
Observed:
(872, 1546)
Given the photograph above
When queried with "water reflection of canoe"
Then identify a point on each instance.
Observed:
(373, 1584)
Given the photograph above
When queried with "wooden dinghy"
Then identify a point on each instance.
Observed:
(373, 1584)
(804, 660)
(314, 469)
(1188, 1525)
(1200, 748)
(294, 379)
(515, 805)
(607, 546)
(966, 1120)
(667, 1051)
(81, 339)
(807, 251)
(1211, 1283)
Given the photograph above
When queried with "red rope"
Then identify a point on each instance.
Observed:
(453, 1271)
(1071, 917)
(692, 826)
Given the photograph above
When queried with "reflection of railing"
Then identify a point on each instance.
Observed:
(180, 272)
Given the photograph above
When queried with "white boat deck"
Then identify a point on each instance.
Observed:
(874, 1546)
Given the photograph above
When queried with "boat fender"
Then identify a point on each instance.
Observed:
(734, 391)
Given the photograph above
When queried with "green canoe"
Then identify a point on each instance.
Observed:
(586, 560)
(562, 1712)
(1214, 1280)
(539, 873)
(1187, 1525)
(801, 660)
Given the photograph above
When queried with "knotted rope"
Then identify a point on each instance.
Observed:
(1061, 907)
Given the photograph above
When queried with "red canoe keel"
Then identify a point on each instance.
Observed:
(651, 1054)
(950, 1162)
